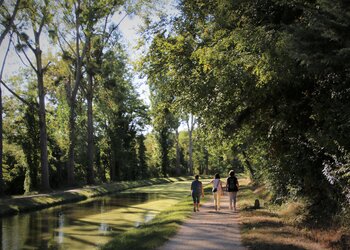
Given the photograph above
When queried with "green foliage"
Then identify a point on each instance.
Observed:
(270, 77)
(119, 114)
(142, 158)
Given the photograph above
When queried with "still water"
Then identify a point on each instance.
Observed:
(83, 225)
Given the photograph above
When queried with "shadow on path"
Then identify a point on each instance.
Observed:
(208, 229)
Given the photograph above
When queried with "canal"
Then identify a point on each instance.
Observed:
(91, 223)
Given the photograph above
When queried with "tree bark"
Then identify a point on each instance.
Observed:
(178, 160)
(190, 152)
(70, 163)
(164, 151)
(190, 125)
(72, 95)
(90, 139)
(45, 181)
(2, 37)
(113, 163)
(206, 162)
(250, 168)
(2, 184)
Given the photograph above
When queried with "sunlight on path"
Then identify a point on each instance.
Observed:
(208, 229)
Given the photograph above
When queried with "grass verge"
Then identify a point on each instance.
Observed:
(278, 227)
(11, 206)
(154, 233)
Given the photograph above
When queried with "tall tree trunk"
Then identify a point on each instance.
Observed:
(206, 162)
(100, 170)
(190, 126)
(90, 139)
(250, 168)
(164, 151)
(178, 153)
(70, 163)
(113, 163)
(190, 152)
(45, 181)
(72, 95)
(2, 184)
(2, 37)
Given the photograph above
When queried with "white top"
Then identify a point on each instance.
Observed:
(216, 183)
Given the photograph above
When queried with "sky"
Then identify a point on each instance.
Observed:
(128, 28)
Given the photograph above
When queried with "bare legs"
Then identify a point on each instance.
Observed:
(233, 200)
(217, 196)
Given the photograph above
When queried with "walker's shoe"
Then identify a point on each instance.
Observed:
(194, 209)
(197, 209)
(216, 209)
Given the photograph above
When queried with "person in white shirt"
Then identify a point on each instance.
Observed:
(217, 191)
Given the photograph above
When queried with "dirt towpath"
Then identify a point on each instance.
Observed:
(208, 229)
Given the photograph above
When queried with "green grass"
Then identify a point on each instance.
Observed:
(154, 233)
(24, 203)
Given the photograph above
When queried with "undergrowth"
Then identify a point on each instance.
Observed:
(285, 226)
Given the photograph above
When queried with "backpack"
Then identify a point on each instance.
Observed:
(232, 184)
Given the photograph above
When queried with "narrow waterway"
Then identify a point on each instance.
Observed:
(88, 224)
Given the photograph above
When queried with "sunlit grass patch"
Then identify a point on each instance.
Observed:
(154, 233)
(36, 202)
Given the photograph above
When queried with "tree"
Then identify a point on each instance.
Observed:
(7, 18)
(71, 14)
(190, 127)
(142, 159)
(262, 73)
(120, 113)
(38, 15)
(98, 41)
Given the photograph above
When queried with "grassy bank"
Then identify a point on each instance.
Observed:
(156, 232)
(20, 204)
(279, 227)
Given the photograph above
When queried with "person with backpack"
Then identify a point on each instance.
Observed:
(197, 191)
(217, 191)
(232, 187)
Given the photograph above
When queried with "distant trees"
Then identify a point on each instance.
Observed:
(89, 72)
(36, 15)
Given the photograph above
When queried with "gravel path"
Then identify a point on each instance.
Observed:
(208, 229)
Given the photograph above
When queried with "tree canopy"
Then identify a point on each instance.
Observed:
(263, 86)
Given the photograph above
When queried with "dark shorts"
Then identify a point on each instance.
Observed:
(196, 198)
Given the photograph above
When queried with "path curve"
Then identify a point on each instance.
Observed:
(208, 229)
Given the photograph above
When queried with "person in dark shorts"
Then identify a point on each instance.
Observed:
(197, 192)
(232, 186)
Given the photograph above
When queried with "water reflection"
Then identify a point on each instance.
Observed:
(59, 234)
(84, 225)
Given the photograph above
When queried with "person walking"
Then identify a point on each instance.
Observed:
(197, 191)
(217, 191)
(232, 187)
